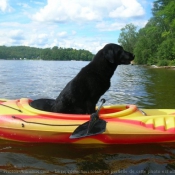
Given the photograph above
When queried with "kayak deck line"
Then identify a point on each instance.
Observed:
(11, 107)
(14, 117)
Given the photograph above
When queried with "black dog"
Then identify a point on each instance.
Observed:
(82, 93)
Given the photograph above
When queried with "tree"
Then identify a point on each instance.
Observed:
(55, 53)
(155, 43)
(128, 37)
(164, 12)
(46, 54)
(167, 49)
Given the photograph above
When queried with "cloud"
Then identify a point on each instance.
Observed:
(23, 5)
(82, 11)
(16, 34)
(62, 34)
(87, 43)
(61, 11)
(11, 37)
(37, 40)
(4, 6)
(67, 23)
(115, 26)
(127, 9)
(110, 26)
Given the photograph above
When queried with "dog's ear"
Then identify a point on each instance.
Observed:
(109, 55)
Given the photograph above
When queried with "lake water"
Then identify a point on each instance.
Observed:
(143, 86)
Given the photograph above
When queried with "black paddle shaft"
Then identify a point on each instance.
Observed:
(103, 101)
(93, 127)
(95, 117)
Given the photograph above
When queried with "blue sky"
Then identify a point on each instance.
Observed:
(80, 24)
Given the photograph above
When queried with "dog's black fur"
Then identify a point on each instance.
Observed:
(82, 93)
(43, 104)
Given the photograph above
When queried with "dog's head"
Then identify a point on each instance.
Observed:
(115, 54)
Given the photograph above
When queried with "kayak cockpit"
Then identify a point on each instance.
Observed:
(105, 111)
(25, 105)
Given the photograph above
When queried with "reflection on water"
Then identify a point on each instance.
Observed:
(162, 87)
(130, 86)
(145, 87)
(88, 159)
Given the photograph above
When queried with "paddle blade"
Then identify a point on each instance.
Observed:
(82, 130)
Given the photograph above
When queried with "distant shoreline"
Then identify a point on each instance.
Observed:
(164, 67)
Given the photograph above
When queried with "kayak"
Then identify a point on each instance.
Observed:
(124, 124)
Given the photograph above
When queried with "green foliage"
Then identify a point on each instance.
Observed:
(163, 63)
(55, 53)
(166, 49)
(128, 37)
(172, 63)
(17, 52)
(155, 43)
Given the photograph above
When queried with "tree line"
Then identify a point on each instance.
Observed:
(55, 53)
(153, 44)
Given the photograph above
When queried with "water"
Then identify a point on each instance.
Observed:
(145, 87)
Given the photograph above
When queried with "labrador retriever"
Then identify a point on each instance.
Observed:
(82, 93)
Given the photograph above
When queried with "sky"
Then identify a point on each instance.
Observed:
(78, 24)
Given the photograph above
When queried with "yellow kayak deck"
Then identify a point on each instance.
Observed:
(125, 124)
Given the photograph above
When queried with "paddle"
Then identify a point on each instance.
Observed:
(92, 127)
